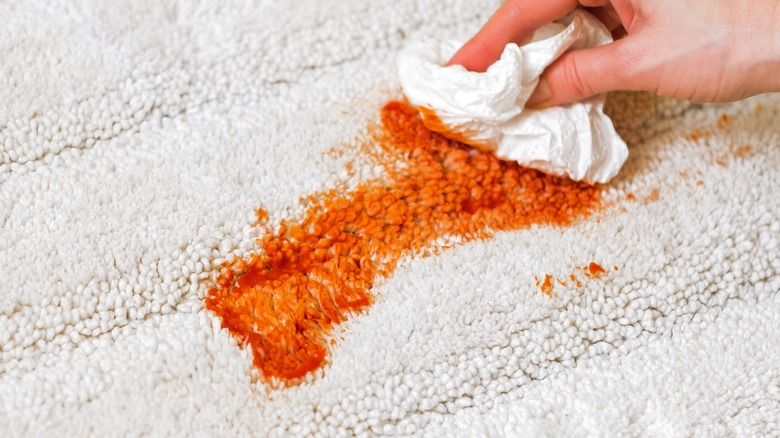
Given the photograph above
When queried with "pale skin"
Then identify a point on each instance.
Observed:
(699, 50)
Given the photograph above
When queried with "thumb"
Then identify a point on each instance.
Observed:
(580, 74)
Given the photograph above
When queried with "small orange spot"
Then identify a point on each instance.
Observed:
(684, 174)
(262, 215)
(654, 196)
(335, 152)
(720, 162)
(631, 197)
(547, 286)
(742, 151)
(698, 134)
(759, 108)
(615, 267)
(723, 121)
(699, 183)
(561, 282)
(595, 269)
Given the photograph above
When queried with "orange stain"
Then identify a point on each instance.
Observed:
(654, 196)
(547, 286)
(723, 121)
(742, 151)
(595, 270)
(699, 134)
(592, 270)
(313, 272)
(262, 215)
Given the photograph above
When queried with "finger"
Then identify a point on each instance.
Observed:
(580, 74)
(514, 21)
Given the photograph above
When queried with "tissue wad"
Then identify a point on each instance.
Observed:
(486, 110)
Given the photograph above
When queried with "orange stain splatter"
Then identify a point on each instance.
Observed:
(723, 121)
(312, 273)
(742, 151)
(699, 183)
(547, 286)
(592, 270)
(262, 215)
(654, 195)
(595, 270)
(698, 134)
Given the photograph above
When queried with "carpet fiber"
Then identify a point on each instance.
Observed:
(138, 139)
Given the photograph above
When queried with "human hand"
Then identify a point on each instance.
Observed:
(700, 50)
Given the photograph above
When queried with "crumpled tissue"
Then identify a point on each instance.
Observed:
(486, 110)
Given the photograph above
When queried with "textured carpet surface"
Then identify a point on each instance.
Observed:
(137, 139)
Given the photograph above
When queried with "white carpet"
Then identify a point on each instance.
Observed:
(138, 138)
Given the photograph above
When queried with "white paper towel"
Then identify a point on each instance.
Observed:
(486, 110)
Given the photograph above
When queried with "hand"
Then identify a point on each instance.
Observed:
(700, 50)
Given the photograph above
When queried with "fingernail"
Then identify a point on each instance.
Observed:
(541, 94)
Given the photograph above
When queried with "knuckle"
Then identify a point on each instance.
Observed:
(625, 60)
(633, 67)
(516, 10)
